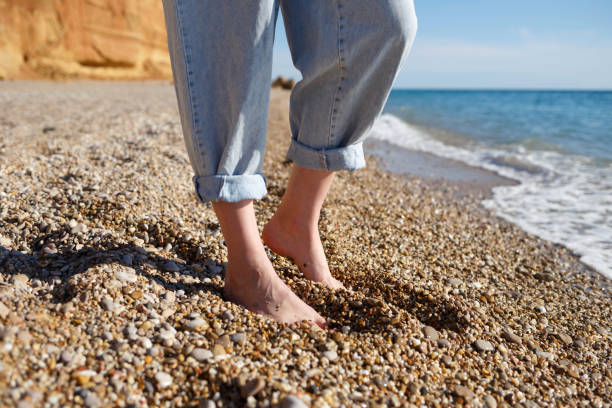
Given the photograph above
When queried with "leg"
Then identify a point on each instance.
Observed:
(349, 52)
(250, 279)
(221, 55)
(293, 231)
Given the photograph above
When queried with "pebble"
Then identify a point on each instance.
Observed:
(207, 403)
(483, 345)
(170, 266)
(201, 354)
(239, 337)
(464, 392)
(252, 387)
(107, 304)
(443, 343)
(567, 340)
(331, 355)
(431, 333)
(67, 356)
(454, 282)
(218, 350)
(511, 337)
(92, 400)
(166, 334)
(197, 324)
(163, 380)
(291, 401)
(490, 402)
(4, 311)
(215, 269)
(20, 281)
(126, 276)
(540, 309)
(127, 259)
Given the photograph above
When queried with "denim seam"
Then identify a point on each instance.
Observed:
(341, 70)
(189, 75)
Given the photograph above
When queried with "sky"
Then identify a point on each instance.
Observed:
(500, 44)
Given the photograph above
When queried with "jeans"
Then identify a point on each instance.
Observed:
(348, 52)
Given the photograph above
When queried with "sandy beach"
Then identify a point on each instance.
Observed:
(111, 276)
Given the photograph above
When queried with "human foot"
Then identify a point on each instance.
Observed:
(251, 281)
(302, 245)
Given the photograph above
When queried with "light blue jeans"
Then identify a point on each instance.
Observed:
(348, 51)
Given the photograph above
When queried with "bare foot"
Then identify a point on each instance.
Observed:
(252, 282)
(303, 246)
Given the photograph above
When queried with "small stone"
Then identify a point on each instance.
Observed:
(490, 402)
(227, 316)
(511, 337)
(215, 269)
(567, 340)
(291, 401)
(464, 393)
(239, 338)
(83, 378)
(218, 350)
(127, 259)
(224, 341)
(107, 303)
(454, 282)
(125, 276)
(67, 356)
(431, 333)
(5, 242)
(201, 354)
(20, 281)
(207, 403)
(331, 355)
(540, 309)
(170, 266)
(137, 294)
(252, 387)
(196, 324)
(483, 345)
(447, 360)
(92, 400)
(443, 343)
(544, 277)
(166, 334)
(4, 311)
(163, 380)
(544, 354)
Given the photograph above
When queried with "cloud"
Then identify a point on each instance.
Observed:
(530, 62)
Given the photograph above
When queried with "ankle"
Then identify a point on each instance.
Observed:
(293, 224)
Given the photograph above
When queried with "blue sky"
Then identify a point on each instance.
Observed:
(541, 44)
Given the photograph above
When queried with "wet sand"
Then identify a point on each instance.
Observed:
(111, 277)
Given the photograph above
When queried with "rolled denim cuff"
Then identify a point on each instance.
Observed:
(230, 188)
(341, 158)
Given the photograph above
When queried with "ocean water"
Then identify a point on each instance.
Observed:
(556, 144)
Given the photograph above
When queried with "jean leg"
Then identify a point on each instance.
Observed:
(221, 54)
(349, 53)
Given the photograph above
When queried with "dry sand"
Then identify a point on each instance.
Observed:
(111, 276)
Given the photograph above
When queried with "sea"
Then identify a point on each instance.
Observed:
(556, 144)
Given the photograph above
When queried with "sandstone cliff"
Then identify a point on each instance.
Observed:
(83, 38)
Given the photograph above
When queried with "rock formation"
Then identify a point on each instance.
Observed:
(103, 39)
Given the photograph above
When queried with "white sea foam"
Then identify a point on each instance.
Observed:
(562, 198)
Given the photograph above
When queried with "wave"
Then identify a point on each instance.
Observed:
(560, 197)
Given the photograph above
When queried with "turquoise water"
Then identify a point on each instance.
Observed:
(576, 122)
(557, 144)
